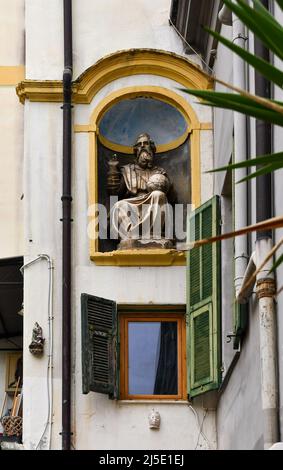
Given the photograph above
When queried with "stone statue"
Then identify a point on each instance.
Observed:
(37, 342)
(140, 215)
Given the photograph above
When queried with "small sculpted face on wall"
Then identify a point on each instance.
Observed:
(154, 419)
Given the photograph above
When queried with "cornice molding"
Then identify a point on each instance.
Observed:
(115, 66)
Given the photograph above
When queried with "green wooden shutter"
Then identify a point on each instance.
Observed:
(204, 303)
(99, 345)
(240, 317)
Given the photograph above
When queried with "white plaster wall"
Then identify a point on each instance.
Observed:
(278, 196)
(12, 32)
(11, 180)
(99, 28)
(206, 164)
(43, 177)
(11, 129)
(43, 157)
(94, 428)
(223, 119)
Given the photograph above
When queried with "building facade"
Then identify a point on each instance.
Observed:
(150, 366)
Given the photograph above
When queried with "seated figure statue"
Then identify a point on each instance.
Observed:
(140, 217)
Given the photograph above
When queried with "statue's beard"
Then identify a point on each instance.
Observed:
(147, 163)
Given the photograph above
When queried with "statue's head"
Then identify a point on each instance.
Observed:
(144, 149)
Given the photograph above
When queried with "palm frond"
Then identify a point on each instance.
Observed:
(280, 3)
(259, 24)
(269, 224)
(265, 68)
(265, 170)
(273, 158)
(238, 103)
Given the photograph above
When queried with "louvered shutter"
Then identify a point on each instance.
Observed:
(203, 304)
(99, 345)
(240, 318)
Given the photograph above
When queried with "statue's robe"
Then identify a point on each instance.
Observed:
(142, 214)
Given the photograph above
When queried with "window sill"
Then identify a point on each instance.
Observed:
(147, 257)
(160, 402)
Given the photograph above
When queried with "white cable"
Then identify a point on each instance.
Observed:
(194, 51)
(49, 375)
(200, 427)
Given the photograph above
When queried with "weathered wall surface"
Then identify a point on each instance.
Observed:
(11, 125)
(278, 193)
(100, 28)
(222, 119)
(98, 423)
(239, 416)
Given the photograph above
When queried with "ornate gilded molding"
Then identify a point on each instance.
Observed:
(139, 258)
(114, 66)
(167, 257)
(37, 90)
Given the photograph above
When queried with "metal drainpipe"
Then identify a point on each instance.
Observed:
(240, 154)
(265, 281)
(66, 220)
(240, 149)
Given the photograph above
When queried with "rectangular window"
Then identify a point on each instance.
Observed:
(152, 359)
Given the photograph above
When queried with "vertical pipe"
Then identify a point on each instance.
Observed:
(240, 154)
(66, 236)
(263, 142)
(265, 279)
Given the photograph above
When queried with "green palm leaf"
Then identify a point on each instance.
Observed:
(277, 263)
(265, 170)
(238, 103)
(264, 67)
(274, 158)
(259, 24)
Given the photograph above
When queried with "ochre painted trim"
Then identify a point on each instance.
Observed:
(84, 128)
(129, 150)
(115, 66)
(141, 257)
(161, 93)
(206, 126)
(11, 74)
(195, 167)
(38, 90)
(136, 62)
(146, 257)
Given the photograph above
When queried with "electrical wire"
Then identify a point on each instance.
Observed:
(192, 49)
(200, 426)
(49, 375)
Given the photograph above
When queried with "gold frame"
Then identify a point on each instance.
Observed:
(112, 67)
(117, 65)
(161, 257)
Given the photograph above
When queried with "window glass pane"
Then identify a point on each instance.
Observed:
(152, 360)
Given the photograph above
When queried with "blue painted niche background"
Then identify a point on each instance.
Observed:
(125, 120)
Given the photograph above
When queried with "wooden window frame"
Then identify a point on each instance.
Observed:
(124, 319)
